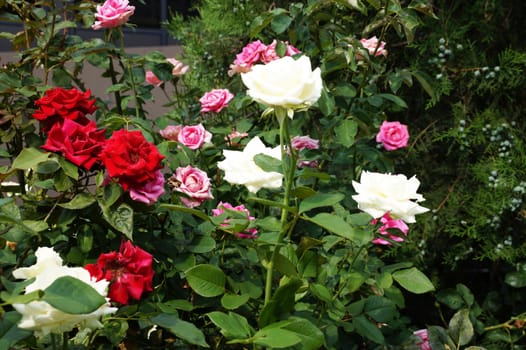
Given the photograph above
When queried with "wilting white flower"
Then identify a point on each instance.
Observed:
(284, 82)
(240, 168)
(381, 193)
(41, 317)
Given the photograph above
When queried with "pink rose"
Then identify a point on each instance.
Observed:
(291, 50)
(250, 54)
(215, 100)
(307, 163)
(393, 135)
(194, 136)
(192, 182)
(152, 79)
(151, 191)
(249, 232)
(235, 137)
(424, 343)
(171, 132)
(304, 142)
(179, 67)
(390, 224)
(113, 13)
(269, 54)
(372, 46)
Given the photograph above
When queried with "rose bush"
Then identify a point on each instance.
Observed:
(156, 207)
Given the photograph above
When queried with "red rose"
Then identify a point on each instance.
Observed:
(129, 271)
(59, 104)
(80, 144)
(131, 159)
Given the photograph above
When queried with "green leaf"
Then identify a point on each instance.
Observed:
(10, 334)
(21, 298)
(206, 280)
(460, 327)
(201, 244)
(346, 132)
(438, 338)
(231, 325)
(80, 201)
(451, 298)
(120, 218)
(379, 308)
(312, 338)
(29, 158)
(280, 23)
(48, 166)
(323, 293)
(320, 200)
(185, 330)
(413, 280)
(326, 103)
(268, 163)
(395, 99)
(72, 296)
(466, 294)
(276, 338)
(334, 224)
(281, 303)
(234, 301)
(368, 329)
(516, 279)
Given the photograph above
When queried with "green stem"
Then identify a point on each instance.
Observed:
(132, 79)
(113, 76)
(288, 171)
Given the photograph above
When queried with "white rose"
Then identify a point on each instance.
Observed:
(285, 82)
(41, 317)
(240, 168)
(380, 193)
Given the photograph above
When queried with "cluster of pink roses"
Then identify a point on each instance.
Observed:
(374, 47)
(191, 136)
(256, 52)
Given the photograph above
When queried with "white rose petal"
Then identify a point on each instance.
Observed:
(240, 168)
(41, 317)
(284, 82)
(380, 193)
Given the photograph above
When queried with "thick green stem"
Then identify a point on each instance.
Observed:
(288, 172)
(132, 79)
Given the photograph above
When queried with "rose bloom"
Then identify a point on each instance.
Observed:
(179, 68)
(268, 53)
(192, 182)
(131, 159)
(371, 45)
(388, 224)
(380, 193)
(285, 82)
(250, 54)
(424, 339)
(129, 272)
(58, 104)
(393, 135)
(194, 136)
(235, 136)
(300, 143)
(113, 13)
(171, 132)
(249, 232)
(241, 169)
(79, 144)
(41, 317)
(215, 100)
(152, 79)
(149, 192)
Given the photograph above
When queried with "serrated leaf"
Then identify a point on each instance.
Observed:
(460, 327)
(206, 280)
(185, 330)
(346, 132)
(29, 158)
(413, 280)
(320, 200)
(516, 279)
(80, 201)
(231, 325)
